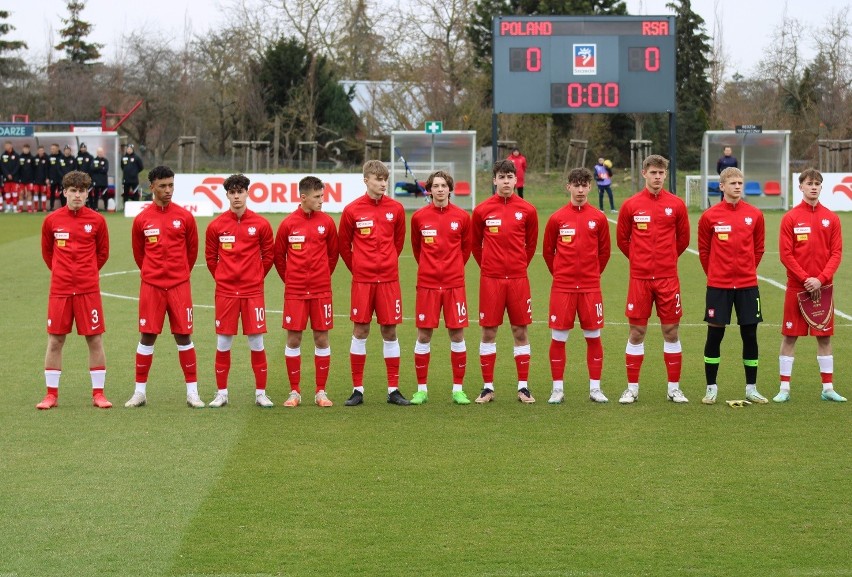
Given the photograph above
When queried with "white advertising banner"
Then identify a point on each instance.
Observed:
(836, 192)
(268, 192)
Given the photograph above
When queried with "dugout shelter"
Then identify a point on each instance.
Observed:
(109, 141)
(453, 151)
(762, 155)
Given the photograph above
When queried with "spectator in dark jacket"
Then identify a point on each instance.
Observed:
(9, 172)
(54, 175)
(41, 164)
(131, 166)
(100, 179)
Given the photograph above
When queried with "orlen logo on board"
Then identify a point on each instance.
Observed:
(845, 187)
(261, 192)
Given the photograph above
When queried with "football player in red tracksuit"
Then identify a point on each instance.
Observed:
(505, 233)
(372, 236)
(75, 246)
(238, 251)
(165, 246)
(441, 242)
(730, 246)
(576, 250)
(306, 251)
(811, 246)
(520, 162)
(652, 232)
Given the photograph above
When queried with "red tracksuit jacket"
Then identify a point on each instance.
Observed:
(238, 251)
(810, 244)
(372, 236)
(306, 248)
(730, 244)
(505, 234)
(576, 248)
(441, 242)
(74, 246)
(652, 232)
(165, 244)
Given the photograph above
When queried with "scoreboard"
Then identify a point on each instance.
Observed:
(571, 64)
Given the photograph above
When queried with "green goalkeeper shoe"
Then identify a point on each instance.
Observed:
(419, 398)
(460, 398)
(831, 395)
(781, 397)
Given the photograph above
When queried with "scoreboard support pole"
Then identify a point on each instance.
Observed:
(672, 152)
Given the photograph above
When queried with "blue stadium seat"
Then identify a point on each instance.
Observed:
(713, 188)
(752, 188)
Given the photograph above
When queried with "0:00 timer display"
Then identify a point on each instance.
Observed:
(584, 94)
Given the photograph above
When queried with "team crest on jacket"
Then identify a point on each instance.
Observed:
(668, 211)
(454, 225)
(389, 216)
(592, 225)
(321, 229)
(88, 228)
(252, 231)
(748, 220)
(176, 223)
(519, 215)
(825, 222)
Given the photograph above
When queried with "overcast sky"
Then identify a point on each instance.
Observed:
(747, 25)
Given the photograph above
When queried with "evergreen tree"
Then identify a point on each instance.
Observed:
(693, 91)
(302, 86)
(77, 50)
(10, 65)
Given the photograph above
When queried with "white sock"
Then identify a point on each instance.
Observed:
(785, 368)
(557, 385)
(98, 378)
(51, 378)
(826, 365)
(191, 389)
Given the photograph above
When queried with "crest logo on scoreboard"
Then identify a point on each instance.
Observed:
(585, 59)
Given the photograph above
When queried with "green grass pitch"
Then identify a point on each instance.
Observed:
(503, 490)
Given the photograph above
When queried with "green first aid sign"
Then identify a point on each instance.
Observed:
(434, 127)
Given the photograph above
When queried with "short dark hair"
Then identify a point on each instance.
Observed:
(505, 166)
(580, 176)
(77, 179)
(159, 173)
(810, 174)
(236, 181)
(310, 184)
(440, 174)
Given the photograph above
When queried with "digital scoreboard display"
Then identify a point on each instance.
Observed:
(568, 64)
